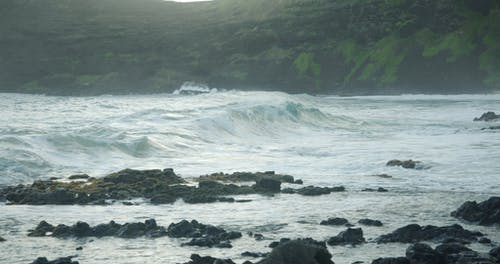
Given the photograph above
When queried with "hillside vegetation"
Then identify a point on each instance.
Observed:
(76, 47)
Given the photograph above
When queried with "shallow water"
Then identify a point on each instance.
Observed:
(325, 141)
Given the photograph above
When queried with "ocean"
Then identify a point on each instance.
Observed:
(323, 140)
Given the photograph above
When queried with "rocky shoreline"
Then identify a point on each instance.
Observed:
(164, 186)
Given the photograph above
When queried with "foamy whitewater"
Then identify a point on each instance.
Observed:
(324, 140)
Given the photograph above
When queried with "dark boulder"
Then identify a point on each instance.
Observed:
(397, 260)
(335, 221)
(253, 254)
(65, 260)
(407, 164)
(370, 222)
(314, 190)
(415, 233)
(451, 248)
(483, 213)
(199, 198)
(202, 235)
(488, 116)
(423, 253)
(351, 236)
(41, 229)
(268, 185)
(197, 259)
(2, 239)
(129, 176)
(495, 252)
(163, 198)
(299, 251)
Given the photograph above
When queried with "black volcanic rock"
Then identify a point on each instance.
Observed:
(197, 259)
(415, 233)
(81, 229)
(351, 236)
(65, 260)
(370, 222)
(483, 213)
(202, 235)
(335, 221)
(299, 251)
(407, 164)
(423, 253)
(488, 116)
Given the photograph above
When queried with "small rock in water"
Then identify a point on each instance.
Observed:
(370, 222)
(407, 164)
(335, 221)
(197, 259)
(65, 260)
(2, 239)
(392, 260)
(488, 116)
(484, 240)
(351, 236)
(79, 177)
(268, 185)
(299, 251)
(79, 248)
(253, 254)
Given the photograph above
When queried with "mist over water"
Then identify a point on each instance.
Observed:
(326, 141)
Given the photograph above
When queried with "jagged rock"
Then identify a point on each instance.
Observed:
(65, 260)
(81, 229)
(397, 260)
(423, 253)
(488, 116)
(370, 222)
(335, 221)
(415, 233)
(407, 164)
(351, 236)
(202, 235)
(451, 248)
(276, 243)
(197, 259)
(299, 252)
(484, 213)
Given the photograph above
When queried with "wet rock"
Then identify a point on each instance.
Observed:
(495, 252)
(379, 189)
(451, 248)
(268, 185)
(351, 236)
(484, 240)
(197, 259)
(202, 235)
(81, 229)
(79, 248)
(2, 239)
(247, 177)
(79, 177)
(276, 243)
(163, 198)
(488, 116)
(299, 252)
(41, 230)
(335, 221)
(253, 254)
(483, 213)
(199, 198)
(415, 233)
(313, 190)
(397, 260)
(65, 260)
(298, 181)
(407, 164)
(423, 253)
(370, 222)
(129, 176)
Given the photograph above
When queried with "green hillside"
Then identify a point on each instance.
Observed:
(76, 47)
